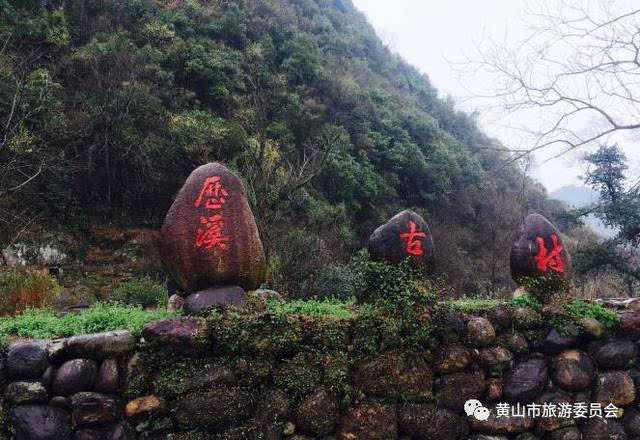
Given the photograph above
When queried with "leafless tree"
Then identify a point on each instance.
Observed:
(574, 77)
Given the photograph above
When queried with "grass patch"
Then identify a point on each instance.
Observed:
(327, 307)
(100, 317)
(578, 309)
(474, 304)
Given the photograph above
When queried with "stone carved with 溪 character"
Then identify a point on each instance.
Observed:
(539, 259)
(405, 236)
(209, 238)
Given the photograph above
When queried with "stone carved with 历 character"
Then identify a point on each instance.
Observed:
(539, 260)
(404, 236)
(209, 237)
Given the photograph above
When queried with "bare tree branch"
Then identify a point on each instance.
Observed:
(574, 80)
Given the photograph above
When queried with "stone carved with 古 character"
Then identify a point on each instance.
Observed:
(406, 235)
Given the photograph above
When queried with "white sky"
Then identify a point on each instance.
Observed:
(430, 34)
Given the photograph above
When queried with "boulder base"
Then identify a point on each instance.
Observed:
(209, 298)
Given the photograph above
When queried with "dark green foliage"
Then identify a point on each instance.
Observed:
(618, 207)
(527, 300)
(143, 292)
(546, 287)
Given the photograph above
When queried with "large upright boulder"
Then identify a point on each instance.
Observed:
(209, 237)
(405, 235)
(539, 259)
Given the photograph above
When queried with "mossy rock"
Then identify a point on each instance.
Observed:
(325, 333)
(300, 375)
(185, 376)
(395, 375)
(217, 408)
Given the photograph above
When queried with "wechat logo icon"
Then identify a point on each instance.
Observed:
(474, 408)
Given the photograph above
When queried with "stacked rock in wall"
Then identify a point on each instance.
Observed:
(68, 388)
(209, 243)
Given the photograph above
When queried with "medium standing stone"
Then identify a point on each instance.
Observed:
(209, 237)
(406, 235)
(539, 254)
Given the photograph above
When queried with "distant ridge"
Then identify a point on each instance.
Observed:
(580, 197)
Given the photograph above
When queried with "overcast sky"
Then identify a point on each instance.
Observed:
(430, 34)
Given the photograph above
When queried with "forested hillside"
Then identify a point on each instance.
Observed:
(107, 105)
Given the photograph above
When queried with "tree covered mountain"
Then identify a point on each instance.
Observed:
(106, 106)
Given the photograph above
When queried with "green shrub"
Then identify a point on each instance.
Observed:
(143, 292)
(578, 309)
(336, 281)
(22, 288)
(100, 317)
(546, 288)
(526, 300)
(391, 285)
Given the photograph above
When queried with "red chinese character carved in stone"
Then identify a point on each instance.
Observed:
(414, 245)
(212, 234)
(551, 260)
(212, 192)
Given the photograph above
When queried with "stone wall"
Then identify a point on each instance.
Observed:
(266, 376)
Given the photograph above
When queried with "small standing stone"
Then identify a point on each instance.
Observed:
(539, 259)
(176, 302)
(406, 235)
